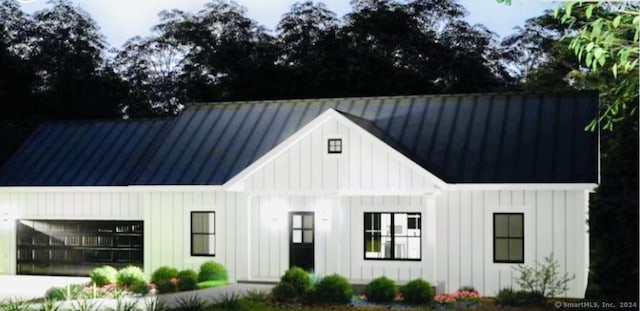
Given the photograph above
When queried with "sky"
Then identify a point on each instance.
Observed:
(120, 20)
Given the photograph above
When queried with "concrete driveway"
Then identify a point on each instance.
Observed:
(29, 287)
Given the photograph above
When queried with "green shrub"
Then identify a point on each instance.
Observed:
(534, 298)
(187, 280)
(166, 279)
(129, 275)
(141, 288)
(299, 279)
(104, 275)
(381, 289)
(512, 298)
(417, 292)
(507, 297)
(333, 289)
(212, 271)
(163, 274)
(284, 292)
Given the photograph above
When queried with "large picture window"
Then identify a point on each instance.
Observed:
(203, 233)
(508, 237)
(392, 236)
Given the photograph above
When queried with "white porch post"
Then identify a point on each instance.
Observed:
(430, 236)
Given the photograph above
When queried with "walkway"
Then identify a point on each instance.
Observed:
(28, 287)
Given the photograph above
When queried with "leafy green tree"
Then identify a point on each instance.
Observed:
(610, 43)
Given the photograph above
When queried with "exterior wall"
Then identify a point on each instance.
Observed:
(339, 236)
(166, 217)
(364, 165)
(252, 231)
(59, 205)
(555, 222)
(168, 227)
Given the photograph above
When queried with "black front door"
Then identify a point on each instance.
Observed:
(301, 237)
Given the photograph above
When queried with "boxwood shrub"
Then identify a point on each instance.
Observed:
(417, 292)
(129, 275)
(513, 298)
(298, 278)
(104, 275)
(381, 289)
(284, 292)
(166, 279)
(333, 289)
(212, 271)
(187, 280)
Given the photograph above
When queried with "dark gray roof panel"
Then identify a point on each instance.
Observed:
(495, 138)
(468, 138)
(92, 153)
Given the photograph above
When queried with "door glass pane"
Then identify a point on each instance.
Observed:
(308, 236)
(297, 236)
(308, 221)
(297, 221)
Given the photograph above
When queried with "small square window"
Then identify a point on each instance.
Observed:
(335, 145)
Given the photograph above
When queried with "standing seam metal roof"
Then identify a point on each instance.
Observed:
(467, 138)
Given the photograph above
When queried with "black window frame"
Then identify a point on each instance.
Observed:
(508, 237)
(336, 148)
(392, 236)
(193, 234)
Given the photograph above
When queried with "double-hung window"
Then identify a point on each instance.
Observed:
(392, 236)
(203, 233)
(508, 237)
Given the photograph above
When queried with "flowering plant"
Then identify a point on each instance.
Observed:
(461, 296)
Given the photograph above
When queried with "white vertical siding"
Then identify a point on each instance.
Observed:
(166, 217)
(465, 236)
(306, 166)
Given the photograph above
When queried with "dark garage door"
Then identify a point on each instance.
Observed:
(74, 247)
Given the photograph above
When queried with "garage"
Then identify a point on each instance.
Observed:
(75, 247)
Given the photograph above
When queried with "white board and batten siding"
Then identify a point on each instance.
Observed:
(555, 222)
(366, 166)
(168, 227)
(166, 216)
(60, 205)
(367, 176)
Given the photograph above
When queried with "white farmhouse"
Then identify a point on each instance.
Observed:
(454, 189)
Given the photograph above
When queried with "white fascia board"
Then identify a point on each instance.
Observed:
(524, 186)
(235, 183)
(136, 188)
(347, 193)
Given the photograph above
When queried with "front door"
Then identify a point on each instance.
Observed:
(301, 237)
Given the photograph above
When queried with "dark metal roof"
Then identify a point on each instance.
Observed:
(87, 153)
(469, 138)
(496, 138)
